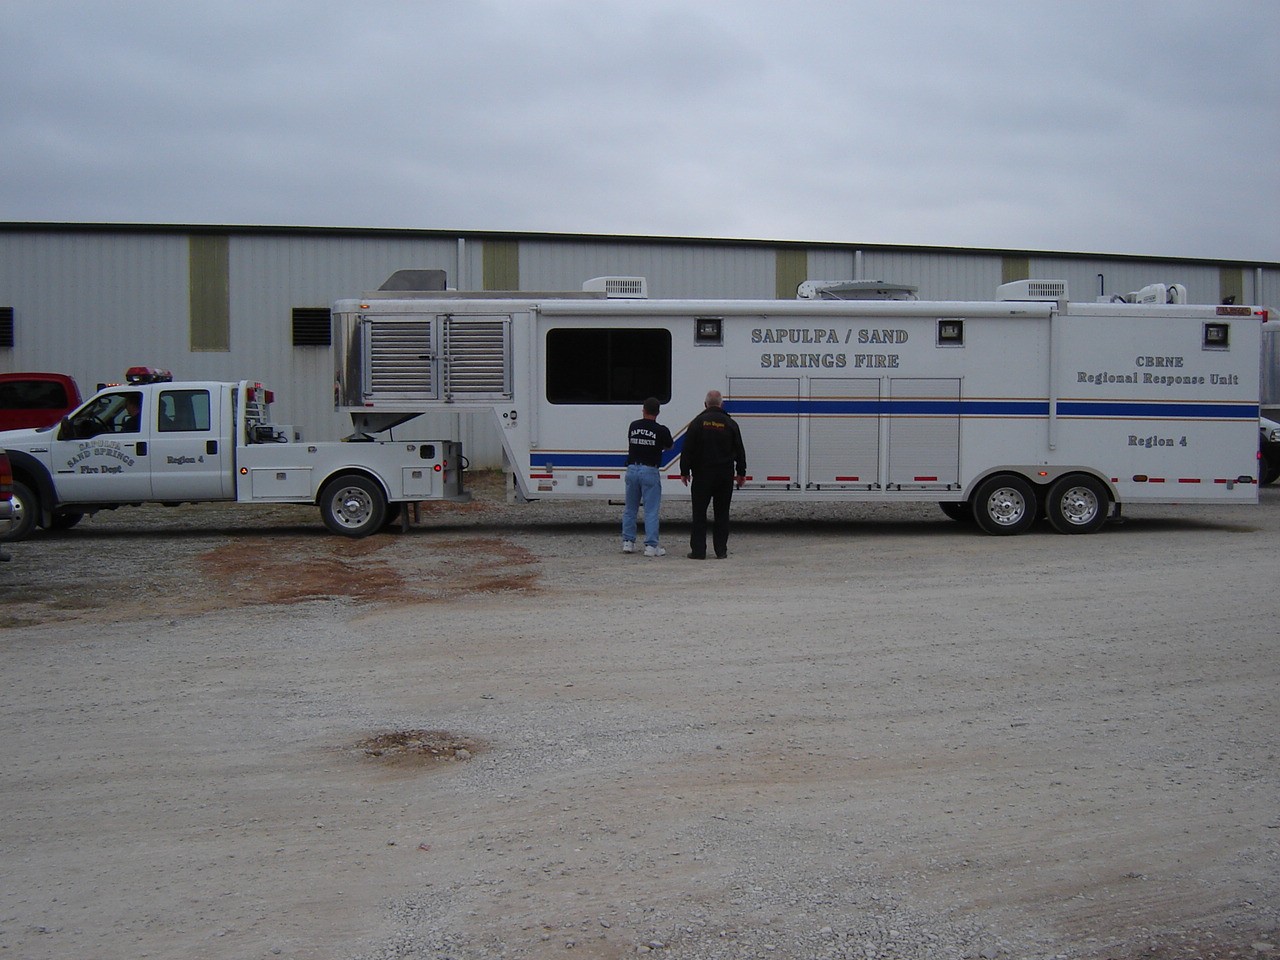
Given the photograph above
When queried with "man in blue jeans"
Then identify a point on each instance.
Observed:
(646, 441)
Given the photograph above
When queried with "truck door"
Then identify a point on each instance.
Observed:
(768, 414)
(189, 455)
(101, 454)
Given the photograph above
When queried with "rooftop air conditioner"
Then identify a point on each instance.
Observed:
(619, 288)
(1032, 290)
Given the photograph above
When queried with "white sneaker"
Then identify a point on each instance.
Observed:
(654, 552)
(628, 546)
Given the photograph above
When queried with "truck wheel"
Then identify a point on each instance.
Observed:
(393, 515)
(25, 510)
(1270, 471)
(1005, 504)
(65, 521)
(1077, 504)
(352, 506)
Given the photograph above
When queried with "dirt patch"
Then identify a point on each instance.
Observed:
(412, 568)
(303, 570)
(871, 733)
(404, 748)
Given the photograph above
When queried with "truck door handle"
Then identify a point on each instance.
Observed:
(211, 447)
(140, 448)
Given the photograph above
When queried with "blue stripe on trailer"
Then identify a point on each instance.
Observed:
(1157, 410)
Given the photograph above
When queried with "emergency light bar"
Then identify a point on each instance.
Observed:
(147, 375)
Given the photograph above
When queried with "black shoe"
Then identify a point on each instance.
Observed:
(721, 556)
(697, 556)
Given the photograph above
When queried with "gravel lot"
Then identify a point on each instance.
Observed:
(869, 733)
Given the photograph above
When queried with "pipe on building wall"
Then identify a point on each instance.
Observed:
(857, 265)
(461, 281)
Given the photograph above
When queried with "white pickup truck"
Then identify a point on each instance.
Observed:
(151, 440)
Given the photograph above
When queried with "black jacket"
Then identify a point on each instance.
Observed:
(713, 440)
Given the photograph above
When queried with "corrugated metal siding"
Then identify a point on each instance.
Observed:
(272, 275)
(937, 276)
(94, 305)
(674, 270)
(1088, 280)
(93, 302)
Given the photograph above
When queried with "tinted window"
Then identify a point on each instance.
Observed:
(608, 366)
(184, 410)
(33, 395)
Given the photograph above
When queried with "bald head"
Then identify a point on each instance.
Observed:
(714, 399)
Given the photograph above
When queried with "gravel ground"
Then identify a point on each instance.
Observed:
(869, 733)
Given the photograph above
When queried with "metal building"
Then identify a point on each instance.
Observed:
(230, 302)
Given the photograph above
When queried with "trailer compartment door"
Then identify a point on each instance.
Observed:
(844, 433)
(768, 414)
(924, 433)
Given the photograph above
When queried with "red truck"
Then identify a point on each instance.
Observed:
(6, 494)
(29, 400)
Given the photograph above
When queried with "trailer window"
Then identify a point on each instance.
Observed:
(608, 366)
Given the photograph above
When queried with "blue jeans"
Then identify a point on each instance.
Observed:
(644, 484)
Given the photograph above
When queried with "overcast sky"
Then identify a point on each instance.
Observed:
(1116, 126)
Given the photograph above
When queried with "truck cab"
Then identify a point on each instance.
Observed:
(145, 440)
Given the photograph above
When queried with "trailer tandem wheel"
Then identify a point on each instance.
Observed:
(353, 506)
(1005, 504)
(1077, 503)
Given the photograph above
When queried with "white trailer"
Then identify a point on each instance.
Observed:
(1002, 411)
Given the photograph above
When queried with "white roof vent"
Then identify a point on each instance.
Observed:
(1033, 290)
(619, 288)
(854, 290)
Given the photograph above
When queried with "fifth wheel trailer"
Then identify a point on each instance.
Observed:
(1027, 405)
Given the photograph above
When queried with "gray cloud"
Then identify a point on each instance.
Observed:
(1140, 127)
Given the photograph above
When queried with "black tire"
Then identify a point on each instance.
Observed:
(394, 510)
(353, 506)
(1078, 503)
(26, 509)
(958, 510)
(65, 521)
(1005, 504)
(1270, 472)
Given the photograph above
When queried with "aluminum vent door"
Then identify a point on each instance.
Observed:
(401, 359)
(477, 352)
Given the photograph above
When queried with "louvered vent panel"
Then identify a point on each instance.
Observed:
(400, 361)
(311, 327)
(477, 351)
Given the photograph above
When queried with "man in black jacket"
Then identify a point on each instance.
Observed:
(714, 454)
